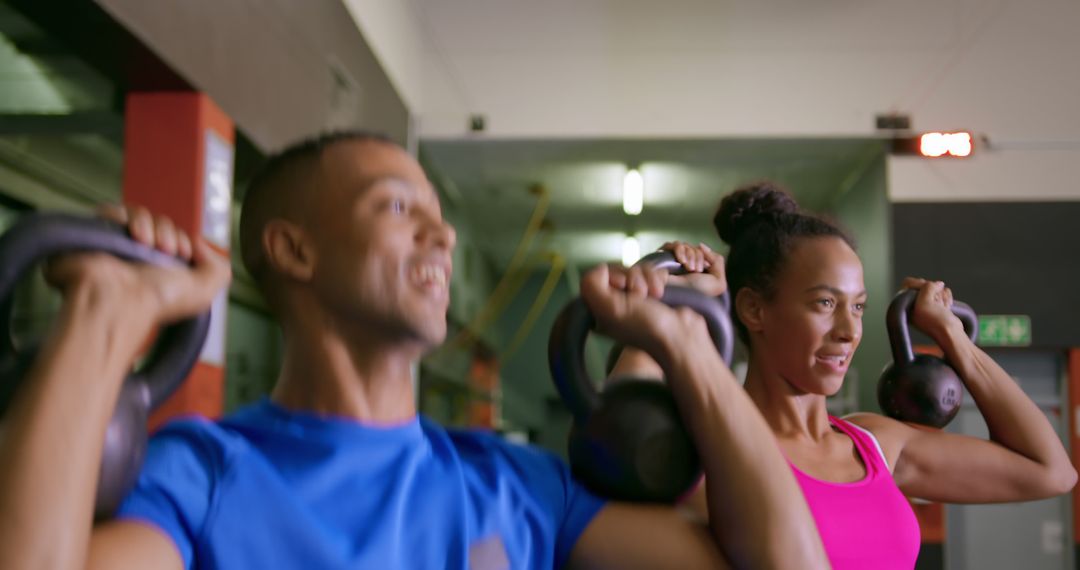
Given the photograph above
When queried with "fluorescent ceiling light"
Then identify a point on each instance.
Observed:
(633, 192)
(631, 251)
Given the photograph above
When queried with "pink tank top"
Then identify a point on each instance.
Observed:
(866, 523)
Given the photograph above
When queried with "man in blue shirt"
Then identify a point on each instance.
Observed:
(345, 237)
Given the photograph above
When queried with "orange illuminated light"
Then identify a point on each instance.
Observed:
(940, 144)
(933, 144)
(961, 144)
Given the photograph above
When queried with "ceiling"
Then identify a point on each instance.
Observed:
(58, 124)
(65, 112)
(489, 181)
(41, 76)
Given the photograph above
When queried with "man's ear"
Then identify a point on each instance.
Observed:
(289, 249)
(750, 307)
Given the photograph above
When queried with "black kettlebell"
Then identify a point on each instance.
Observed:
(920, 388)
(664, 259)
(628, 441)
(38, 236)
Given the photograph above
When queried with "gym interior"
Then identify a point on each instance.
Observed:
(535, 120)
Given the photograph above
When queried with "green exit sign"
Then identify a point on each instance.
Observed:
(1004, 330)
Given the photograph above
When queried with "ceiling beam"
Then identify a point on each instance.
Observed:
(103, 123)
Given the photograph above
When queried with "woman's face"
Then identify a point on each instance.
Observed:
(813, 323)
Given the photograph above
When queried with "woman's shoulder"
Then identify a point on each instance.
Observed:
(879, 425)
(891, 434)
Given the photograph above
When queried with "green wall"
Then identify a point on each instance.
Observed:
(862, 207)
(253, 350)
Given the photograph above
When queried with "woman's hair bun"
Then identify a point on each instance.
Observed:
(750, 205)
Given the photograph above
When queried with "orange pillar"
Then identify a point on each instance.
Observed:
(1073, 416)
(484, 384)
(178, 162)
(931, 516)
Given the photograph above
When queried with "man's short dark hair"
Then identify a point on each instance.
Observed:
(279, 189)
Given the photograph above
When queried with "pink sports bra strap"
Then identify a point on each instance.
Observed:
(868, 448)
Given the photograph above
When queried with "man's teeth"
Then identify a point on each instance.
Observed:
(431, 275)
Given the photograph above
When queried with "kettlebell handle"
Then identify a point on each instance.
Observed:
(566, 344)
(899, 315)
(38, 236)
(664, 259)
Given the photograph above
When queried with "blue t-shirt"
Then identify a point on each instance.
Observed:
(269, 488)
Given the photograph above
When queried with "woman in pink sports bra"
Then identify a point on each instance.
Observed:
(798, 292)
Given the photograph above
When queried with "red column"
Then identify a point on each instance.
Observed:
(931, 515)
(1073, 416)
(178, 159)
(484, 384)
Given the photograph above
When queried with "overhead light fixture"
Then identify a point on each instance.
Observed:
(633, 192)
(957, 144)
(631, 251)
(940, 144)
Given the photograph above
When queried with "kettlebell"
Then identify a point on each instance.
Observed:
(920, 388)
(628, 441)
(664, 259)
(33, 239)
